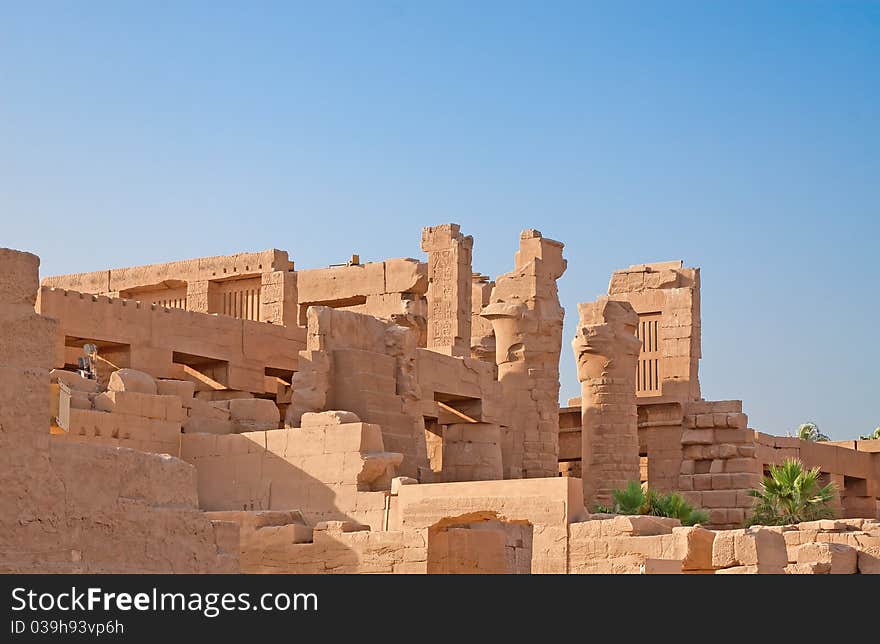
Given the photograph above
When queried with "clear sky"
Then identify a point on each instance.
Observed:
(741, 137)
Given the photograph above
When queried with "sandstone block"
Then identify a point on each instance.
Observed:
(131, 380)
(697, 437)
(324, 418)
(843, 559)
(694, 547)
(254, 409)
(183, 389)
(399, 481)
(738, 570)
(705, 420)
(73, 380)
(826, 525)
(758, 547)
(19, 277)
(812, 568)
(734, 465)
(869, 560)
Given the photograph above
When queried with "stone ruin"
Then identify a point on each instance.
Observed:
(232, 413)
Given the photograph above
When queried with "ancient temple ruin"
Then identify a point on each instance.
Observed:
(236, 413)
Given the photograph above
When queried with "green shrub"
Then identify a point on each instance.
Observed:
(633, 499)
(791, 494)
(630, 500)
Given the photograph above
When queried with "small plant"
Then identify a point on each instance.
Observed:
(873, 436)
(630, 500)
(810, 432)
(673, 505)
(633, 499)
(791, 494)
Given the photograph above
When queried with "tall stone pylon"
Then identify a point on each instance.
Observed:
(606, 350)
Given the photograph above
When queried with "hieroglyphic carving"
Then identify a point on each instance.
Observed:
(449, 289)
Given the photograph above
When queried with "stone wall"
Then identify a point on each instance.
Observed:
(213, 351)
(666, 296)
(393, 290)
(546, 505)
(254, 286)
(719, 463)
(84, 508)
(326, 471)
(855, 473)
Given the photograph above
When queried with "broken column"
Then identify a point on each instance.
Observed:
(527, 321)
(606, 350)
(482, 335)
(449, 289)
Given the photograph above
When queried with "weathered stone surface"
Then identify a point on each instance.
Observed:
(842, 559)
(321, 419)
(131, 380)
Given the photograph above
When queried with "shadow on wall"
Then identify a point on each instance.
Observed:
(329, 473)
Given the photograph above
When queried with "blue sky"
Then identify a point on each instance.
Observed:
(742, 137)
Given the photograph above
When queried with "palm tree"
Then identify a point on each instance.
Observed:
(875, 435)
(810, 432)
(791, 494)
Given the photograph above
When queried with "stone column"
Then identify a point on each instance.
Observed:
(449, 289)
(527, 321)
(482, 334)
(606, 350)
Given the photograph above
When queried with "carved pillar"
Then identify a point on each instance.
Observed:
(606, 349)
(527, 322)
(449, 289)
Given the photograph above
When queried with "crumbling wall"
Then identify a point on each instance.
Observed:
(548, 505)
(666, 297)
(84, 508)
(527, 321)
(607, 544)
(842, 546)
(253, 286)
(330, 548)
(393, 290)
(214, 351)
(482, 334)
(719, 464)
(369, 369)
